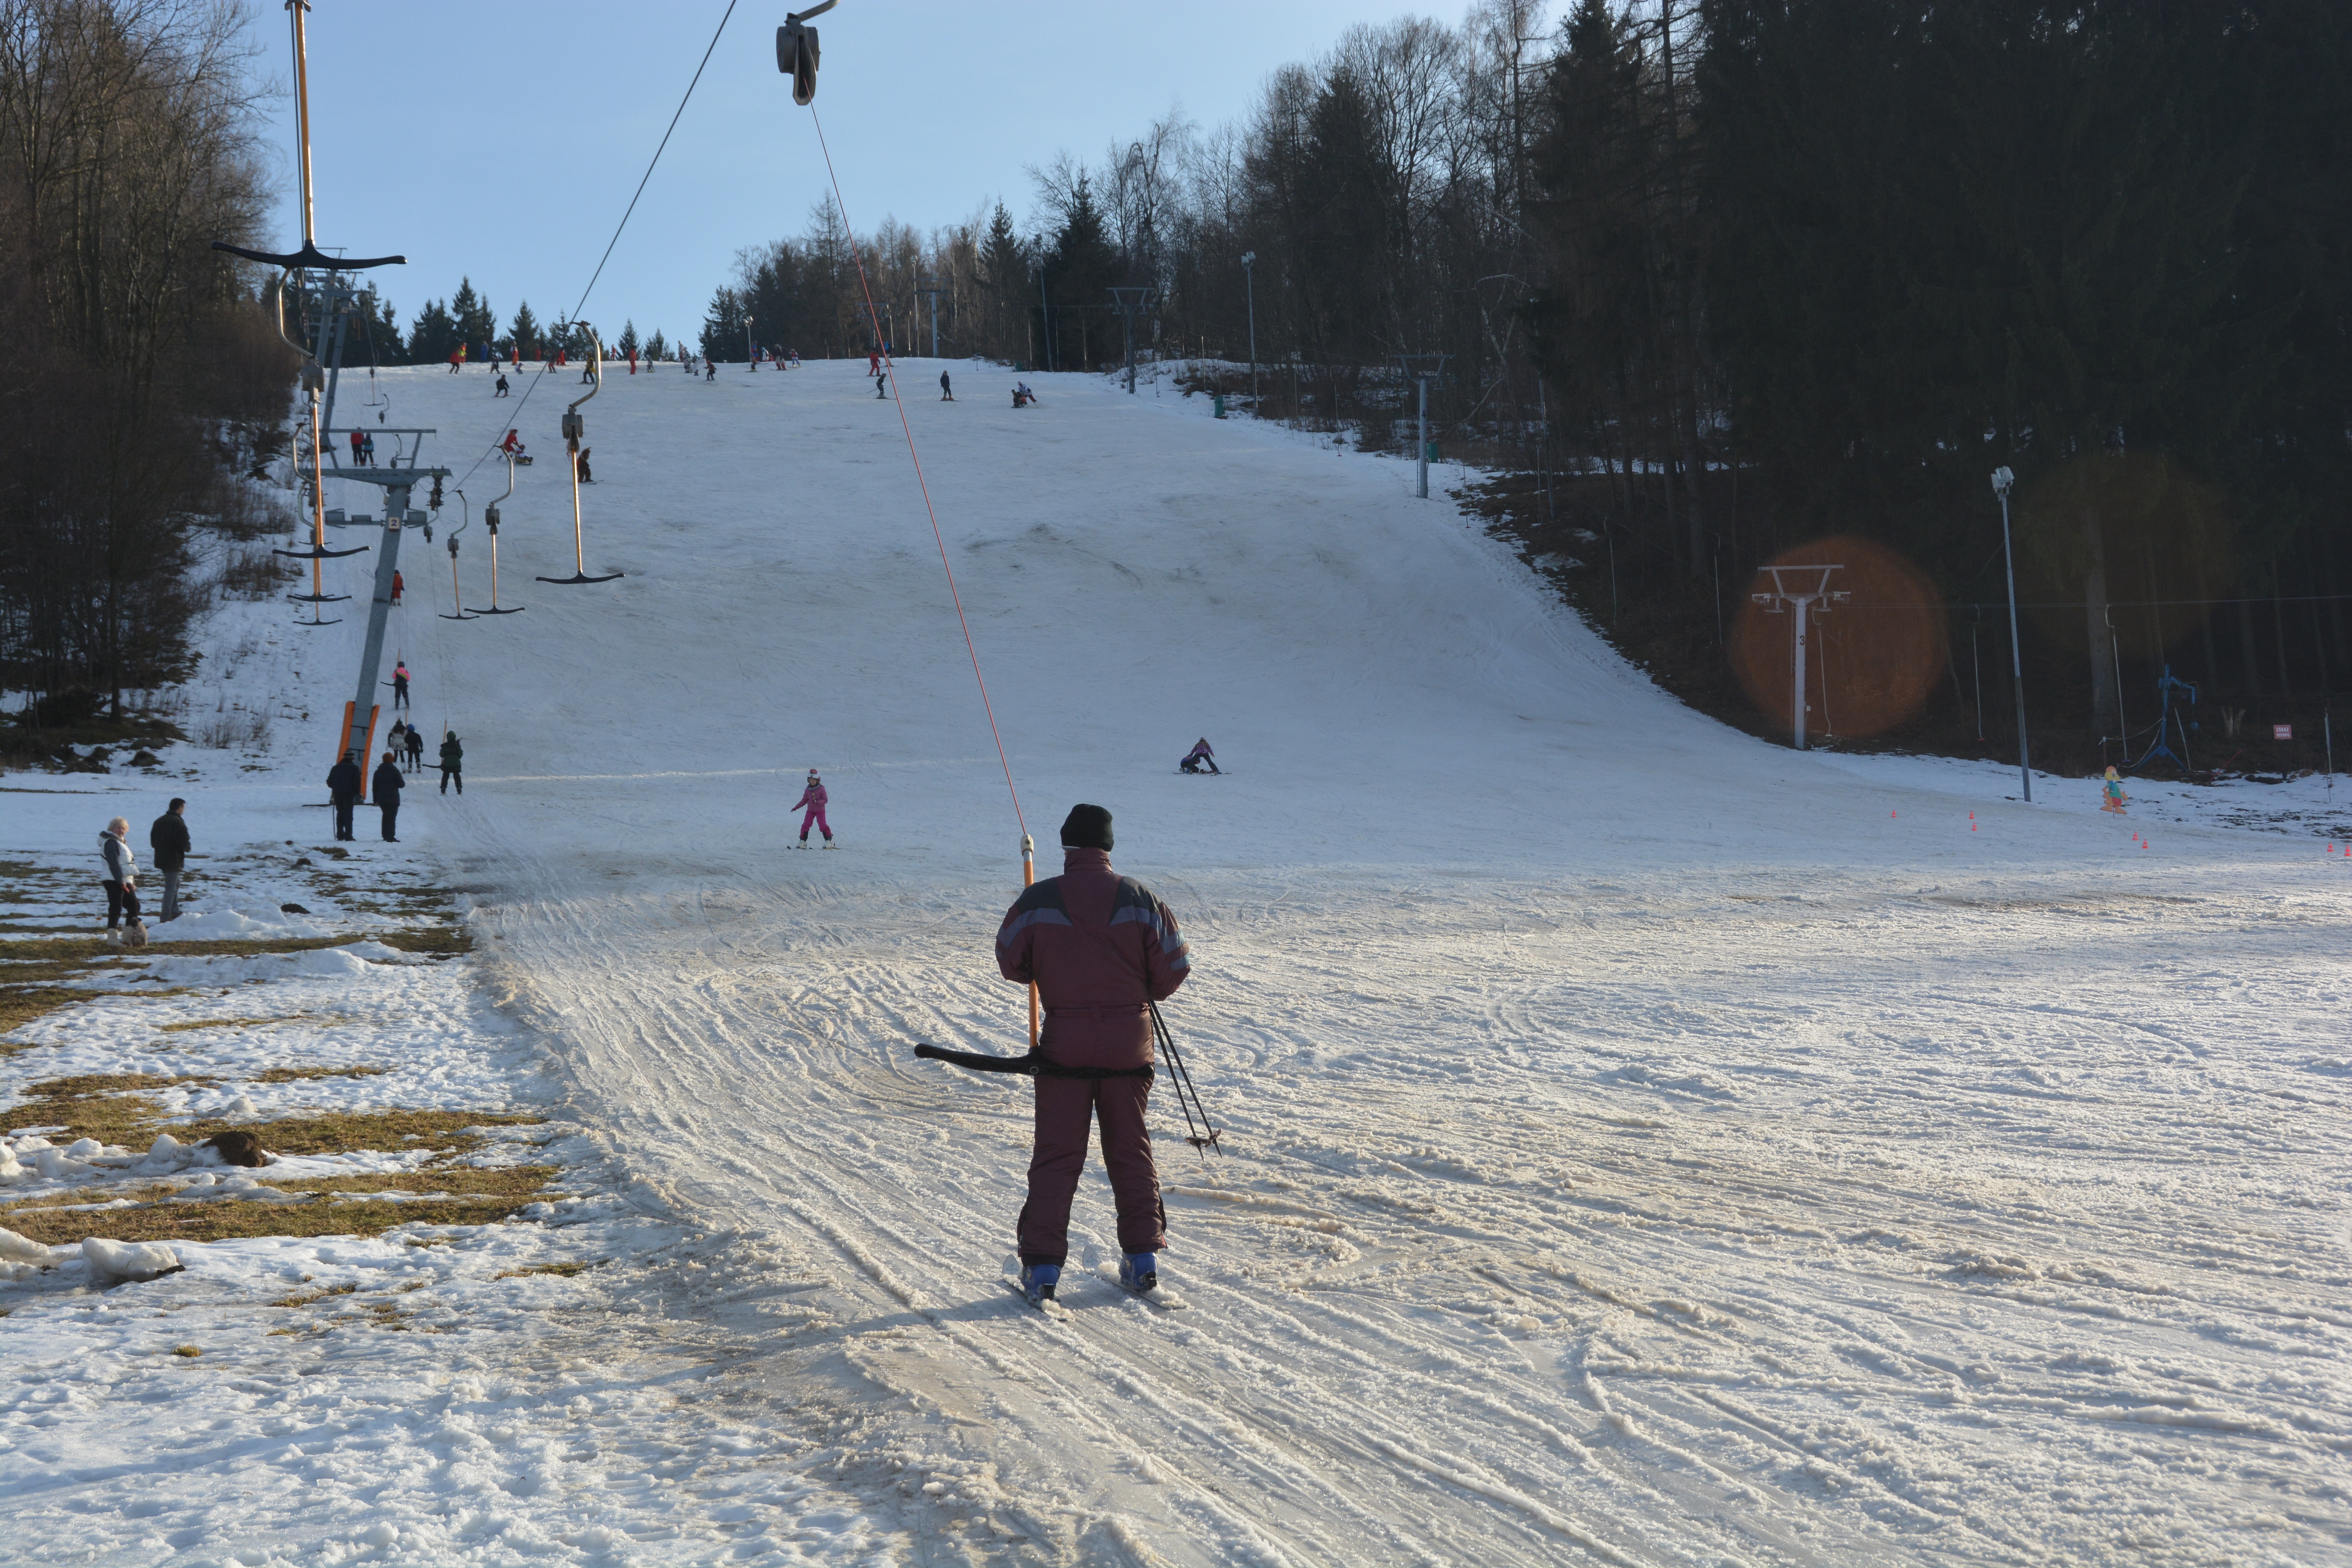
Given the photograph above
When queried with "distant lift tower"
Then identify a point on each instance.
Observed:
(1423, 369)
(934, 288)
(1791, 586)
(2168, 718)
(335, 301)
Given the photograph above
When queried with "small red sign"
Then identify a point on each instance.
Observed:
(2282, 731)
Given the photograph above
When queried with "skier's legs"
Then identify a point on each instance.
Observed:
(807, 818)
(1127, 1154)
(822, 826)
(1057, 1157)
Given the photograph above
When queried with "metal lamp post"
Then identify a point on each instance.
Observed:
(2002, 479)
(1249, 283)
(1127, 302)
(1423, 369)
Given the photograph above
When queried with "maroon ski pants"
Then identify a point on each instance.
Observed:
(1065, 1108)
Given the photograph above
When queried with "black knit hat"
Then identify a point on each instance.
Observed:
(1087, 828)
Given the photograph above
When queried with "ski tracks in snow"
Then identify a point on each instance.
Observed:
(1642, 1148)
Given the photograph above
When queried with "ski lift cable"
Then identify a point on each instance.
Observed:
(517, 410)
(890, 368)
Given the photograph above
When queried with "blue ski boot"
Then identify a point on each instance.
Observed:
(1140, 1271)
(1037, 1282)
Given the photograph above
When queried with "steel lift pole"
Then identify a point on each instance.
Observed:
(360, 717)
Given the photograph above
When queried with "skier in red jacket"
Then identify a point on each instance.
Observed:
(1099, 947)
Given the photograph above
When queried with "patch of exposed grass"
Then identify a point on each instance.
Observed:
(228, 1023)
(314, 1296)
(190, 1351)
(104, 1106)
(455, 1181)
(353, 1131)
(524, 1181)
(30, 971)
(438, 941)
(180, 1223)
(566, 1269)
(112, 1109)
(79, 949)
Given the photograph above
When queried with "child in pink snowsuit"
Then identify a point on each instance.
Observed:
(814, 798)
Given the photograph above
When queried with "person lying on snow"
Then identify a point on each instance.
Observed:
(1022, 396)
(1099, 947)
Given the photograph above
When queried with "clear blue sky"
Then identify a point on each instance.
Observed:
(501, 139)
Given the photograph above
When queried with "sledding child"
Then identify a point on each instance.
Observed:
(2114, 790)
(813, 798)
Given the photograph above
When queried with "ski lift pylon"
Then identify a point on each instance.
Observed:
(574, 427)
(314, 381)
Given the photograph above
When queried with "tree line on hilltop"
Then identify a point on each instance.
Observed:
(467, 321)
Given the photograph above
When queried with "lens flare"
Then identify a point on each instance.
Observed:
(1871, 660)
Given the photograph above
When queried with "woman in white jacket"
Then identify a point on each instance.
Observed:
(120, 878)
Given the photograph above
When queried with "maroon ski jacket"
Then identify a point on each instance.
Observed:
(1099, 945)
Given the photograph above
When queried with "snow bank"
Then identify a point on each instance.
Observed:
(250, 922)
(122, 1262)
(21, 1259)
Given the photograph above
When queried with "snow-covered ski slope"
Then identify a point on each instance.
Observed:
(1645, 1145)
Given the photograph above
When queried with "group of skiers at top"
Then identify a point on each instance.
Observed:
(789, 359)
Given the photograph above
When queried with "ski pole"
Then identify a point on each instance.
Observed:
(1183, 1078)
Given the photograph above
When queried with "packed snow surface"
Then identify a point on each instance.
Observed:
(1642, 1144)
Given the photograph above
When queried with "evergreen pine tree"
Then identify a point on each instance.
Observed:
(1004, 272)
(476, 323)
(525, 331)
(723, 327)
(433, 338)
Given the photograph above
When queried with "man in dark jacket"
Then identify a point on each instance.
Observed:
(453, 762)
(343, 783)
(169, 839)
(1098, 946)
(387, 783)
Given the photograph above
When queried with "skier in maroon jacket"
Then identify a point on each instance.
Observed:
(1099, 946)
